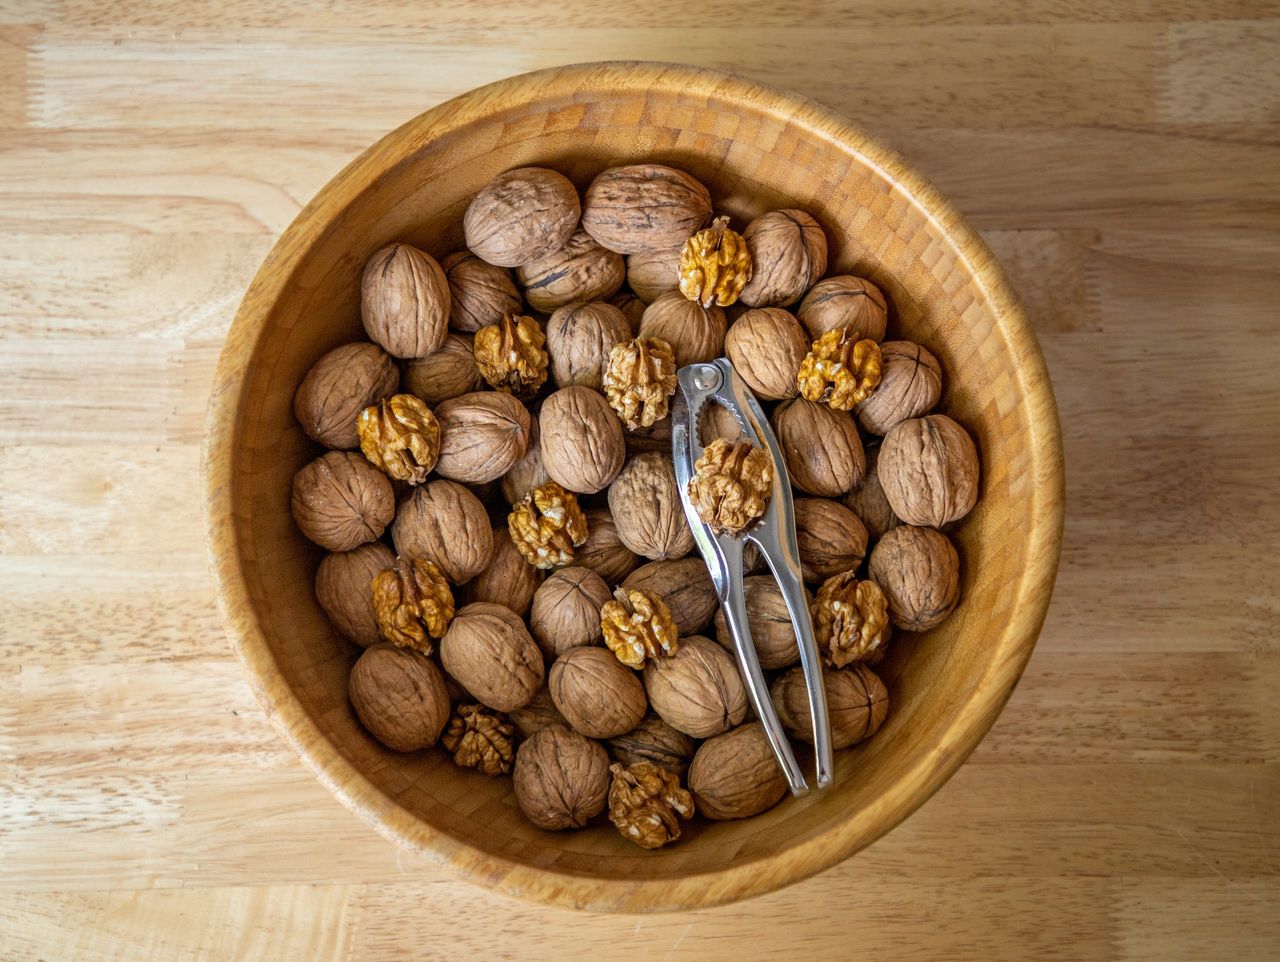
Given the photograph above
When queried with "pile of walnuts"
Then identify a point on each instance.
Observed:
(505, 536)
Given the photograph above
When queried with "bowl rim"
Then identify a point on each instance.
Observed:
(972, 719)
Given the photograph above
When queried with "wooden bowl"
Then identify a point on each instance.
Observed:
(757, 149)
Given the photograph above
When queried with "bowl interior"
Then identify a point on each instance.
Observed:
(756, 150)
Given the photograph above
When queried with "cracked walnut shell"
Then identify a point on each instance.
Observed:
(929, 471)
(840, 370)
(646, 804)
(595, 693)
(489, 652)
(637, 626)
(546, 525)
(404, 301)
(788, 254)
(731, 484)
(341, 501)
(714, 265)
(338, 387)
(561, 778)
(413, 603)
(639, 379)
(643, 208)
(521, 215)
(401, 436)
(857, 704)
(481, 739)
(850, 619)
(511, 355)
(399, 696)
(698, 690)
(735, 775)
(918, 570)
(579, 271)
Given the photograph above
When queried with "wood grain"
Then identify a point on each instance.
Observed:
(1123, 807)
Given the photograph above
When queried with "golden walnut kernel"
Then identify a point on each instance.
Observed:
(844, 301)
(714, 265)
(521, 215)
(399, 696)
(413, 603)
(646, 804)
(596, 695)
(581, 270)
(840, 370)
(639, 379)
(579, 339)
(735, 775)
(448, 373)
(338, 387)
(512, 356)
(546, 525)
(788, 254)
(766, 346)
(644, 207)
(857, 703)
(341, 501)
(401, 436)
(850, 619)
(731, 484)
(820, 447)
(929, 471)
(480, 293)
(481, 739)
(919, 571)
(404, 301)
(561, 778)
(693, 332)
(637, 625)
(684, 585)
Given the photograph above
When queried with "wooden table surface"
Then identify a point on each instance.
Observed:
(1125, 166)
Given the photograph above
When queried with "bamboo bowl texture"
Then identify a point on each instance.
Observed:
(757, 149)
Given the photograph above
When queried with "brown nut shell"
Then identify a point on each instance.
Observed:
(910, 385)
(866, 499)
(482, 436)
(488, 650)
(566, 610)
(597, 695)
(772, 631)
(653, 740)
(448, 373)
(698, 690)
(831, 538)
(579, 271)
(399, 696)
(341, 501)
(646, 508)
(404, 301)
(788, 255)
(929, 471)
(654, 273)
(338, 387)
(603, 551)
(508, 579)
(685, 585)
(344, 589)
(561, 778)
(857, 703)
(521, 215)
(820, 446)
(643, 208)
(446, 524)
(579, 338)
(919, 571)
(480, 293)
(766, 346)
(540, 713)
(844, 301)
(735, 775)
(581, 439)
(632, 309)
(693, 332)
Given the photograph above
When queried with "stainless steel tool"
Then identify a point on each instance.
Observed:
(716, 382)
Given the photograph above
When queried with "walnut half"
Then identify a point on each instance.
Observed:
(850, 619)
(731, 484)
(646, 804)
(512, 356)
(840, 370)
(714, 265)
(637, 626)
(481, 739)
(546, 525)
(639, 380)
(401, 436)
(413, 603)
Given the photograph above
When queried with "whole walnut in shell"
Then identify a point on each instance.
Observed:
(866, 499)
(399, 696)
(404, 301)
(654, 273)
(509, 579)
(480, 739)
(413, 603)
(480, 293)
(561, 778)
(579, 271)
(595, 693)
(643, 208)
(521, 215)
(632, 309)
(581, 439)
(603, 551)
(566, 610)
(857, 703)
(511, 355)
(685, 586)
(527, 473)
(698, 690)
(646, 508)
(341, 501)
(482, 436)
(831, 538)
(766, 346)
(694, 333)
(579, 339)
(788, 255)
(448, 373)
(344, 589)
(910, 385)
(929, 471)
(653, 740)
(538, 714)
(772, 631)
(919, 571)
(734, 775)
(821, 447)
(844, 301)
(338, 387)
(489, 651)
(639, 379)
(547, 525)
(646, 804)
(444, 523)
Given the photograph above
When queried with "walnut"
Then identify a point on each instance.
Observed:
(639, 379)
(644, 208)
(508, 579)
(850, 619)
(731, 484)
(910, 385)
(655, 438)
(820, 447)
(840, 370)
(579, 271)
(714, 265)
(520, 216)
(735, 775)
(399, 696)
(603, 552)
(698, 690)
(637, 625)
(717, 421)
(646, 508)
(581, 439)
(595, 693)
(929, 471)
(831, 538)
(546, 525)
(482, 436)
(448, 373)
(344, 588)
(527, 473)
(341, 501)
(538, 714)
(654, 273)
(580, 337)
(444, 523)
(401, 436)
(693, 332)
(919, 571)
(857, 703)
(489, 651)
(653, 740)
(844, 302)
(413, 603)
(511, 355)
(338, 387)
(480, 739)
(566, 610)
(561, 778)
(788, 254)
(766, 346)
(867, 500)
(480, 293)
(632, 309)
(684, 586)
(646, 804)
(404, 301)
(772, 632)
